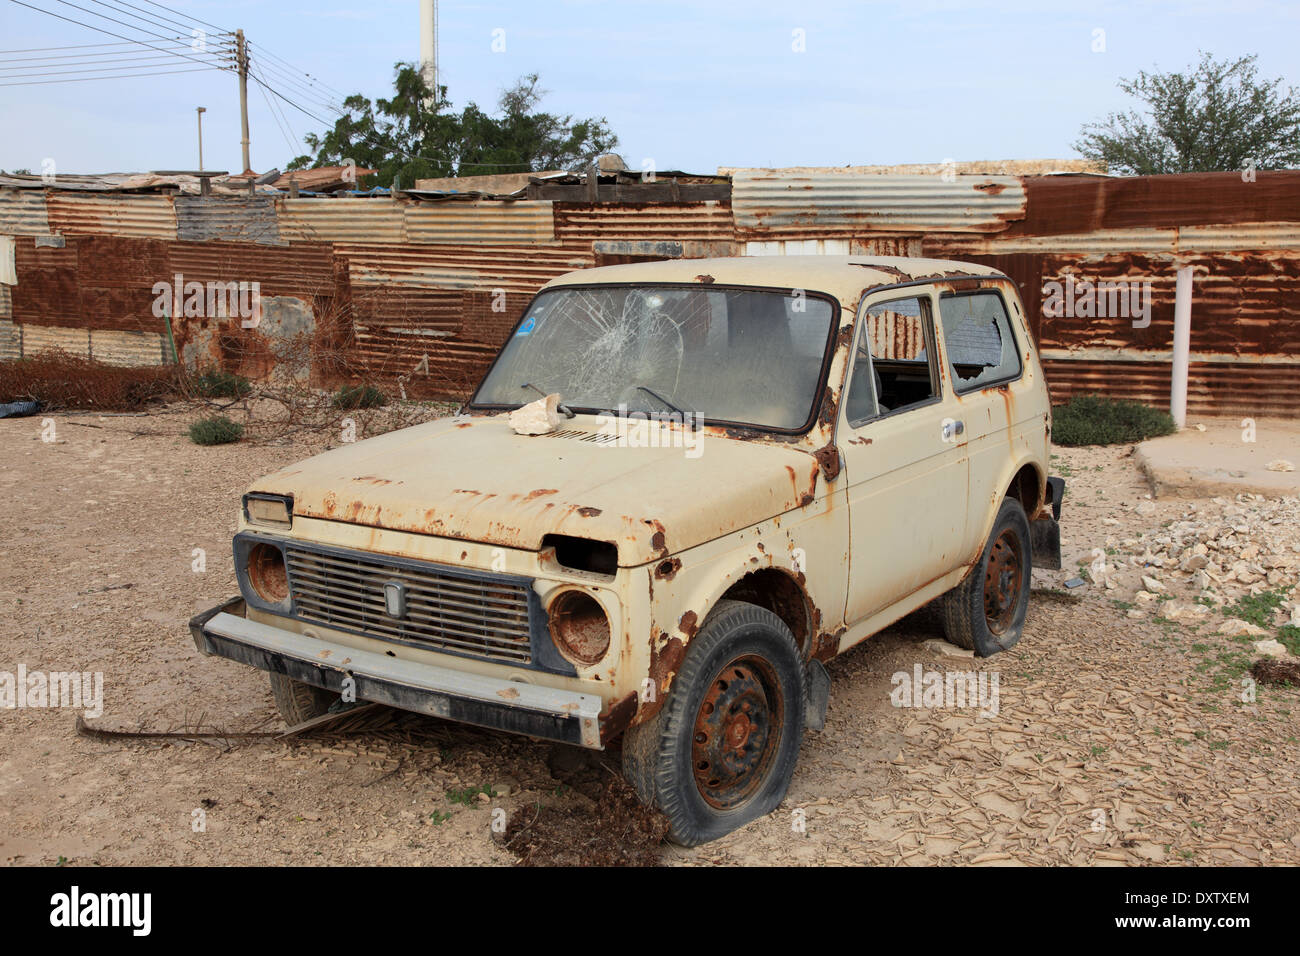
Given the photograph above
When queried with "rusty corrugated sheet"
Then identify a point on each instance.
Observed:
(234, 220)
(1212, 389)
(48, 290)
(23, 213)
(698, 222)
(501, 223)
(1145, 240)
(303, 269)
(516, 269)
(771, 204)
(1064, 205)
(342, 220)
(132, 216)
(1245, 304)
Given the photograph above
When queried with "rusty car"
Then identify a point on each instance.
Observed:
(736, 470)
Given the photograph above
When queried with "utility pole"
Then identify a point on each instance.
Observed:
(241, 61)
(201, 111)
(429, 47)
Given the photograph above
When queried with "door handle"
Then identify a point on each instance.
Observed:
(952, 428)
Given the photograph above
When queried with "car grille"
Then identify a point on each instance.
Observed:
(445, 611)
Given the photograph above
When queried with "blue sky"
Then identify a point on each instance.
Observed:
(687, 85)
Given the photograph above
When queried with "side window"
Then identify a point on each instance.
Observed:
(892, 368)
(977, 335)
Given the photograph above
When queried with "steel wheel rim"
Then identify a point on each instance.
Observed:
(1002, 582)
(737, 732)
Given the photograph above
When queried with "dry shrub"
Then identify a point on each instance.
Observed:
(621, 831)
(63, 381)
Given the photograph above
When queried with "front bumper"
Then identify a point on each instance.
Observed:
(513, 706)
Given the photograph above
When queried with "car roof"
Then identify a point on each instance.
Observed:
(846, 277)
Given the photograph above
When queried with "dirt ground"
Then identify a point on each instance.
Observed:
(1122, 735)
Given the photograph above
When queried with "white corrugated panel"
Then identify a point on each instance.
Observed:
(798, 247)
(342, 220)
(10, 348)
(824, 203)
(1241, 237)
(505, 223)
(126, 348)
(45, 338)
(1102, 242)
(22, 213)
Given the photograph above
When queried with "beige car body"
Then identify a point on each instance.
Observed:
(840, 530)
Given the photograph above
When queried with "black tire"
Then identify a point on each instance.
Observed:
(712, 774)
(986, 612)
(298, 702)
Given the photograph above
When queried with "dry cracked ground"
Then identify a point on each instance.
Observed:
(1125, 731)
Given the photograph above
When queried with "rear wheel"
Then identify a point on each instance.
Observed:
(298, 702)
(722, 749)
(986, 612)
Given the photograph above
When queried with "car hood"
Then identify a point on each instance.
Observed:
(474, 479)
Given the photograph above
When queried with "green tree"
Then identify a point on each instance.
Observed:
(410, 136)
(1219, 116)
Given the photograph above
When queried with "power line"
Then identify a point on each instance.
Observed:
(143, 64)
(116, 9)
(294, 70)
(60, 16)
(119, 77)
(106, 56)
(179, 14)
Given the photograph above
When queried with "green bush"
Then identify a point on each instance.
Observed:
(359, 396)
(1092, 420)
(217, 430)
(214, 383)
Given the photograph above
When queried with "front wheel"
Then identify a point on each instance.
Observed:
(986, 612)
(298, 702)
(722, 749)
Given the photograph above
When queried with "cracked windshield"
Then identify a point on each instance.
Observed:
(725, 355)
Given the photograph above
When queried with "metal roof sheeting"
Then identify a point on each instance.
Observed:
(473, 222)
(702, 222)
(140, 217)
(233, 220)
(342, 220)
(773, 204)
(23, 213)
(517, 269)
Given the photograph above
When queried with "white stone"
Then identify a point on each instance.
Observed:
(1280, 464)
(1271, 649)
(944, 649)
(1233, 627)
(536, 418)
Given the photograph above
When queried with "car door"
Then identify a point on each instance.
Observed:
(904, 457)
(985, 368)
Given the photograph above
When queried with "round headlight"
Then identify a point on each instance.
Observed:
(579, 626)
(267, 574)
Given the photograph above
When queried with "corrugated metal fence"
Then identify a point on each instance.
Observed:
(425, 291)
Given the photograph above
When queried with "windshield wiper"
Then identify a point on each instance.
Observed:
(568, 412)
(650, 391)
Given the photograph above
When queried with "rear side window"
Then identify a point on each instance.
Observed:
(981, 347)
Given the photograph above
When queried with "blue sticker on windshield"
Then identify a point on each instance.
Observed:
(527, 326)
